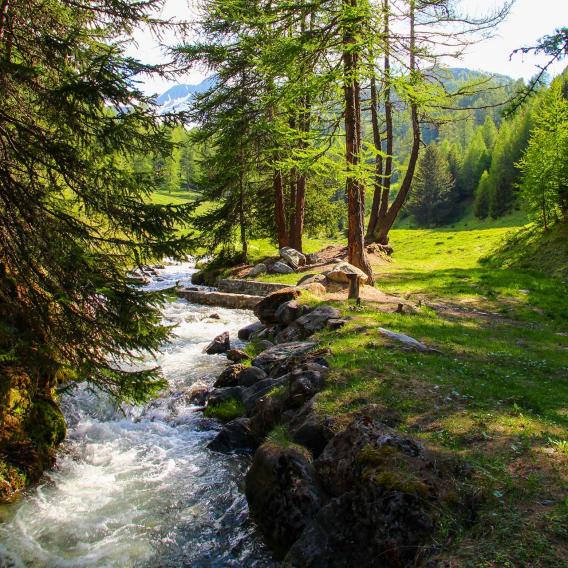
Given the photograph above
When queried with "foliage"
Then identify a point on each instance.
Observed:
(433, 187)
(544, 166)
(74, 217)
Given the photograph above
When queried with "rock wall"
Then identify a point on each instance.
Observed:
(250, 287)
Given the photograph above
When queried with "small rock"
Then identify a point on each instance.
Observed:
(292, 333)
(214, 315)
(266, 309)
(312, 258)
(197, 395)
(245, 332)
(235, 436)
(281, 268)
(406, 340)
(257, 270)
(336, 323)
(265, 344)
(294, 258)
(341, 271)
(279, 353)
(288, 312)
(317, 319)
(237, 355)
(217, 396)
(311, 279)
(230, 376)
(221, 344)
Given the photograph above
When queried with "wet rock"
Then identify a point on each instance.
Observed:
(288, 312)
(265, 344)
(281, 268)
(236, 436)
(251, 375)
(197, 395)
(291, 256)
(215, 316)
(217, 396)
(229, 376)
(283, 494)
(257, 270)
(342, 270)
(317, 319)
(246, 332)
(221, 344)
(265, 310)
(237, 355)
(277, 354)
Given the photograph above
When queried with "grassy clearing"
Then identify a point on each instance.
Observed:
(497, 395)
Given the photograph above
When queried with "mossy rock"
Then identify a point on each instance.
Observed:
(45, 424)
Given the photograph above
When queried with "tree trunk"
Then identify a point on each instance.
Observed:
(242, 220)
(378, 160)
(385, 223)
(280, 214)
(355, 190)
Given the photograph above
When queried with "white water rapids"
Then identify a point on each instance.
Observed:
(137, 486)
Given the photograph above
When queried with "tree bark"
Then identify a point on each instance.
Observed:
(378, 160)
(279, 212)
(385, 223)
(355, 190)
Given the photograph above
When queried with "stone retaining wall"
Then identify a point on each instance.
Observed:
(221, 299)
(249, 287)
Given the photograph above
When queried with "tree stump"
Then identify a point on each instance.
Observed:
(354, 285)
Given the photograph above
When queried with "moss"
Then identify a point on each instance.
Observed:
(12, 481)
(225, 411)
(45, 424)
(388, 467)
(280, 436)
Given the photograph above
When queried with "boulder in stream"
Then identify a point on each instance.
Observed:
(221, 344)
(235, 436)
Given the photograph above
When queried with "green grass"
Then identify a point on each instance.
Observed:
(225, 411)
(496, 395)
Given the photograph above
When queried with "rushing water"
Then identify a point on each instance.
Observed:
(137, 486)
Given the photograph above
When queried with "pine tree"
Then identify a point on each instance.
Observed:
(482, 196)
(432, 192)
(74, 217)
(544, 166)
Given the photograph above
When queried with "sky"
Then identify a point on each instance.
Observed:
(528, 21)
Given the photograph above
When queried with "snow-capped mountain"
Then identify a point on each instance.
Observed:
(179, 97)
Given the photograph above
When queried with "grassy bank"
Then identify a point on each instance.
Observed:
(496, 395)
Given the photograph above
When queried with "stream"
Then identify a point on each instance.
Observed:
(136, 486)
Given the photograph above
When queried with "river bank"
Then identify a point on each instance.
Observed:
(137, 486)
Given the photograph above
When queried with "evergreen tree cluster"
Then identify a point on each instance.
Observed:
(74, 216)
